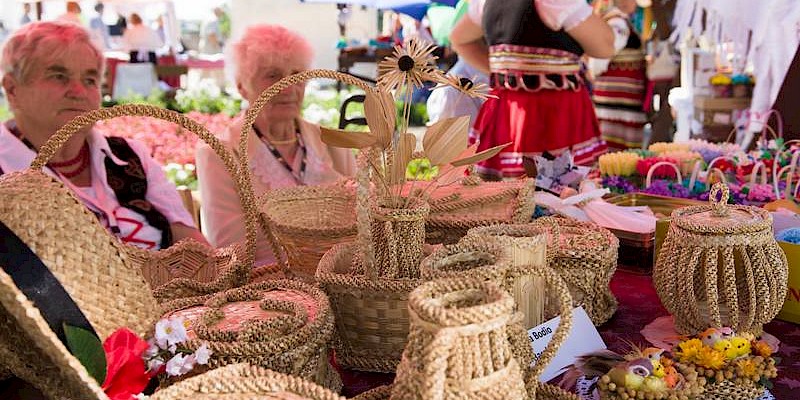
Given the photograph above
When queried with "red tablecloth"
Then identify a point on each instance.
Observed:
(638, 306)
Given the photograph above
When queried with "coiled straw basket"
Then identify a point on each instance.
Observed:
(585, 255)
(282, 325)
(721, 266)
(457, 208)
(460, 345)
(245, 382)
(96, 270)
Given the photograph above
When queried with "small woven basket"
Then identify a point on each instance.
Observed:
(282, 325)
(692, 386)
(244, 382)
(457, 208)
(721, 266)
(308, 221)
(583, 254)
(371, 314)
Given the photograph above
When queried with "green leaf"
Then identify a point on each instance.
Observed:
(88, 349)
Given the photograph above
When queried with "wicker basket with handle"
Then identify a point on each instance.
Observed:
(102, 275)
(721, 266)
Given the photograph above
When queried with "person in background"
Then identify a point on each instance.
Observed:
(98, 28)
(51, 74)
(26, 18)
(141, 41)
(620, 84)
(73, 13)
(283, 149)
(215, 32)
(448, 102)
(532, 50)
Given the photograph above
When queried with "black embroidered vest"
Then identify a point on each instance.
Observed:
(129, 183)
(517, 22)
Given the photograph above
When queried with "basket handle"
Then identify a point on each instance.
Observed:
(653, 168)
(242, 182)
(698, 166)
(760, 166)
(719, 206)
(777, 174)
(250, 118)
(719, 173)
(559, 287)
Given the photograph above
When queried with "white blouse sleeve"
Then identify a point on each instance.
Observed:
(475, 11)
(622, 32)
(160, 191)
(221, 212)
(563, 14)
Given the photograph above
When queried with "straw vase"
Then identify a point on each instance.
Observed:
(283, 325)
(398, 235)
(458, 345)
(244, 382)
(721, 266)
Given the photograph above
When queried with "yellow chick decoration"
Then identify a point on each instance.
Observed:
(739, 347)
(722, 345)
(631, 374)
(653, 384)
(658, 369)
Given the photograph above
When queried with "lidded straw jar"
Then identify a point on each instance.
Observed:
(721, 266)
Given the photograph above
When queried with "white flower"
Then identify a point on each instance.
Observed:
(175, 365)
(152, 349)
(170, 332)
(154, 364)
(202, 354)
(141, 396)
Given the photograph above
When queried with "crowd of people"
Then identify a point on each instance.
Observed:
(531, 53)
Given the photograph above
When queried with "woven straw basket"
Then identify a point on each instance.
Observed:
(457, 208)
(308, 221)
(245, 382)
(720, 266)
(102, 275)
(584, 254)
(282, 325)
(189, 267)
(371, 314)
(460, 346)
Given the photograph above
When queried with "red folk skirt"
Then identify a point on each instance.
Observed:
(536, 122)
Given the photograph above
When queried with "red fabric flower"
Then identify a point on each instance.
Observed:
(725, 165)
(126, 374)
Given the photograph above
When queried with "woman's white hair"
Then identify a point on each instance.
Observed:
(38, 42)
(267, 46)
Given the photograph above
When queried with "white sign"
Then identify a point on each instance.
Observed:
(583, 338)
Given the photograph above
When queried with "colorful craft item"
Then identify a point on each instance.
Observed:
(619, 164)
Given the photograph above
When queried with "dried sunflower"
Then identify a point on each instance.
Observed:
(465, 86)
(411, 64)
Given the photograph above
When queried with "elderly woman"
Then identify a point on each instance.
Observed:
(51, 74)
(283, 150)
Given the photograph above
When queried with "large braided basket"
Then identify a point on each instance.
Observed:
(282, 325)
(457, 208)
(245, 382)
(584, 254)
(103, 276)
(308, 221)
(721, 266)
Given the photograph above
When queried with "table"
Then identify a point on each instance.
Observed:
(638, 306)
